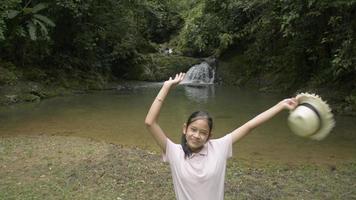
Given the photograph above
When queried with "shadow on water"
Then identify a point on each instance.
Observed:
(118, 117)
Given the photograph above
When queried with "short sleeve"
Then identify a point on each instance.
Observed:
(229, 144)
(224, 144)
(170, 150)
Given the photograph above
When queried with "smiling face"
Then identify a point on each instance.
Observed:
(197, 134)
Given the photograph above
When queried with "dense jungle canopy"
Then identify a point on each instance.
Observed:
(291, 44)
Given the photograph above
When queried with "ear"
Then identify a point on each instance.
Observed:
(184, 128)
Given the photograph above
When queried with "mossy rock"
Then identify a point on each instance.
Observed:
(7, 77)
(35, 74)
(95, 81)
(82, 80)
(29, 98)
(56, 91)
(158, 67)
(9, 99)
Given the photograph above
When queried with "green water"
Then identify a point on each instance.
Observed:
(118, 117)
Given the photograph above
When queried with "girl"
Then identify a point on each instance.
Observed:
(198, 164)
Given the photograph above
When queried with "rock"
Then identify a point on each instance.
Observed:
(348, 108)
(11, 99)
(30, 98)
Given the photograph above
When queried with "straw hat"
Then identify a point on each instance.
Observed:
(312, 118)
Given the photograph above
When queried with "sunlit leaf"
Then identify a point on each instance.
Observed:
(32, 30)
(12, 14)
(43, 27)
(44, 19)
(39, 7)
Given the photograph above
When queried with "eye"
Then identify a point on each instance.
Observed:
(205, 133)
(193, 129)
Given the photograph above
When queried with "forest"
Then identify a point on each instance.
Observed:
(105, 60)
(282, 45)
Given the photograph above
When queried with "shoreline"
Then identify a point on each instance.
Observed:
(57, 167)
(36, 92)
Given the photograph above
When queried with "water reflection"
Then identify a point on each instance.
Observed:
(199, 93)
(117, 117)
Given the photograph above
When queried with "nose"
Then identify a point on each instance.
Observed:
(196, 134)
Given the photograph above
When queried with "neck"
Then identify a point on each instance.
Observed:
(196, 150)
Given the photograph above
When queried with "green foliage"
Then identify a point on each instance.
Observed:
(200, 35)
(111, 34)
(106, 35)
(162, 20)
(344, 60)
(8, 75)
(157, 67)
(307, 43)
(289, 44)
(28, 20)
(5, 7)
(35, 74)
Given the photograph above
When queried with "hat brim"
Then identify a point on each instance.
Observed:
(327, 121)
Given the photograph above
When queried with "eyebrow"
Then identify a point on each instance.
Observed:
(200, 129)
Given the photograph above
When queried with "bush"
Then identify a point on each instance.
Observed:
(8, 75)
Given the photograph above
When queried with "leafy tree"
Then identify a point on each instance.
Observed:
(24, 26)
(28, 20)
(5, 6)
(163, 20)
(304, 42)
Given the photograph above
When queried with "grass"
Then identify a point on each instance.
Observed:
(64, 167)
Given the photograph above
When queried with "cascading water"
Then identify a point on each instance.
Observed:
(199, 82)
(200, 74)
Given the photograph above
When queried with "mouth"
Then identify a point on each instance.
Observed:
(195, 141)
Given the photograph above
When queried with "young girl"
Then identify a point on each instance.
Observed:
(198, 164)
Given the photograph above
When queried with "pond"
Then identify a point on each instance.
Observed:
(117, 116)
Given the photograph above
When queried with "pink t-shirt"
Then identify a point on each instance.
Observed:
(202, 175)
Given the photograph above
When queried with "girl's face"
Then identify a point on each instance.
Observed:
(197, 134)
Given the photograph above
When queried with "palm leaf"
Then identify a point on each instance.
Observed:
(12, 14)
(32, 30)
(39, 7)
(43, 27)
(19, 30)
(44, 20)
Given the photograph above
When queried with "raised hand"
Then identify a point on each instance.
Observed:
(151, 120)
(289, 104)
(177, 79)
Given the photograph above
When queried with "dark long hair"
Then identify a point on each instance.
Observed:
(193, 117)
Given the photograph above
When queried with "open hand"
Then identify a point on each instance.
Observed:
(290, 103)
(177, 79)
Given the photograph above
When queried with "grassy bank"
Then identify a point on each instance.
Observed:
(63, 167)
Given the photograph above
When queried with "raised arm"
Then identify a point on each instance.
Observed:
(153, 114)
(243, 130)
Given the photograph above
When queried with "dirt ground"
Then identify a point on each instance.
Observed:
(66, 167)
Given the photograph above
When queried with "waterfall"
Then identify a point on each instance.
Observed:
(200, 74)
